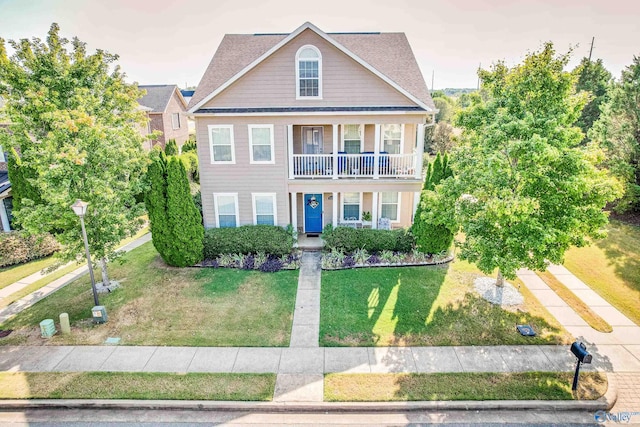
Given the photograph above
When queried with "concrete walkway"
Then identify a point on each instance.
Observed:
(17, 306)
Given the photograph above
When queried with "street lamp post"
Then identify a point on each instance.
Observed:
(80, 208)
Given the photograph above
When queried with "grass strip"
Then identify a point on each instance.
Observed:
(13, 273)
(462, 386)
(138, 385)
(583, 310)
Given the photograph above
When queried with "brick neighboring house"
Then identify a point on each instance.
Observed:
(311, 128)
(166, 109)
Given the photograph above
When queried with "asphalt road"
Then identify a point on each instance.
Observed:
(102, 417)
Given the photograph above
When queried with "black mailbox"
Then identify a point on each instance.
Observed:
(580, 351)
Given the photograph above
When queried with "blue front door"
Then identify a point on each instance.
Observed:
(313, 213)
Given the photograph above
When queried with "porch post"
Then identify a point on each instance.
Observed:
(294, 211)
(374, 210)
(419, 151)
(290, 149)
(4, 217)
(376, 153)
(416, 202)
(334, 160)
(334, 220)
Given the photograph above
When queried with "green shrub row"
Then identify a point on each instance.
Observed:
(247, 239)
(18, 247)
(348, 239)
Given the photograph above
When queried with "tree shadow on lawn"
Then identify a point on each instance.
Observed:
(622, 252)
(389, 307)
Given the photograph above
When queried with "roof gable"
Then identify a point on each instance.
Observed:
(240, 53)
(158, 97)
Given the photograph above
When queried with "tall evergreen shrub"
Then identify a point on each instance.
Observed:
(171, 148)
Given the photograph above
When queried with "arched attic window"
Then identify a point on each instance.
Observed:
(308, 73)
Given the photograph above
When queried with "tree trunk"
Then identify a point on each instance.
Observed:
(105, 276)
(500, 279)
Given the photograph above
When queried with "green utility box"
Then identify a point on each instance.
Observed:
(99, 314)
(47, 328)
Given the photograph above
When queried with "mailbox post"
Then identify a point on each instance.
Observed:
(583, 356)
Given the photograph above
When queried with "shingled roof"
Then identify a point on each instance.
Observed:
(157, 97)
(388, 53)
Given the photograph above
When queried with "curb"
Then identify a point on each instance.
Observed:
(309, 407)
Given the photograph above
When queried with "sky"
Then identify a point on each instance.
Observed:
(172, 41)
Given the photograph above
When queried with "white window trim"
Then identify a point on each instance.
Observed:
(271, 138)
(3, 158)
(398, 210)
(255, 211)
(173, 123)
(401, 137)
(308, 46)
(233, 148)
(217, 213)
(361, 136)
(342, 207)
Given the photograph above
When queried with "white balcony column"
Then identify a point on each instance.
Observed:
(6, 226)
(290, 149)
(419, 151)
(374, 210)
(294, 211)
(376, 153)
(334, 219)
(334, 167)
(416, 202)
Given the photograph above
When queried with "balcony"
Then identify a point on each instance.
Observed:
(363, 165)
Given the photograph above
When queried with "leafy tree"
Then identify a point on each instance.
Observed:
(618, 131)
(524, 190)
(171, 148)
(184, 220)
(76, 121)
(190, 145)
(21, 177)
(593, 78)
(443, 140)
(156, 201)
(431, 229)
(445, 105)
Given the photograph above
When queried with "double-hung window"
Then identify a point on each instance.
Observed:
(308, 73)
(221, 144)
(226, 206)
(264, 208)
(175, 121)
(392, 139)
(390, 205)
(261, 143)
(352, 138)
(351, 206)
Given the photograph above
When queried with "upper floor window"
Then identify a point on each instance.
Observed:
(221, 146)
(352, 138)
(308, 73)
(261, 143)
(175, 120)
(392, 139)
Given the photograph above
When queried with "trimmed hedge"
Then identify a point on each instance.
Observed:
(18, 247)
(348, 239)
(247, 239)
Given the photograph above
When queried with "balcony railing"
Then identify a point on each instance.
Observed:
(354, 165)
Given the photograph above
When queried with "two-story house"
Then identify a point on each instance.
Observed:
(310, 129)
(166, 109)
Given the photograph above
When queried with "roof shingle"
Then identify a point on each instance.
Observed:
(157, 97)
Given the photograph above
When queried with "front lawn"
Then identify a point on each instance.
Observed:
(424, 306)
(611, 267)
(160, 305)
(462, 386)
(13, 273)
(136, 385)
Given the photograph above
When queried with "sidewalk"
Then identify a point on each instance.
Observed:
(16, 307)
